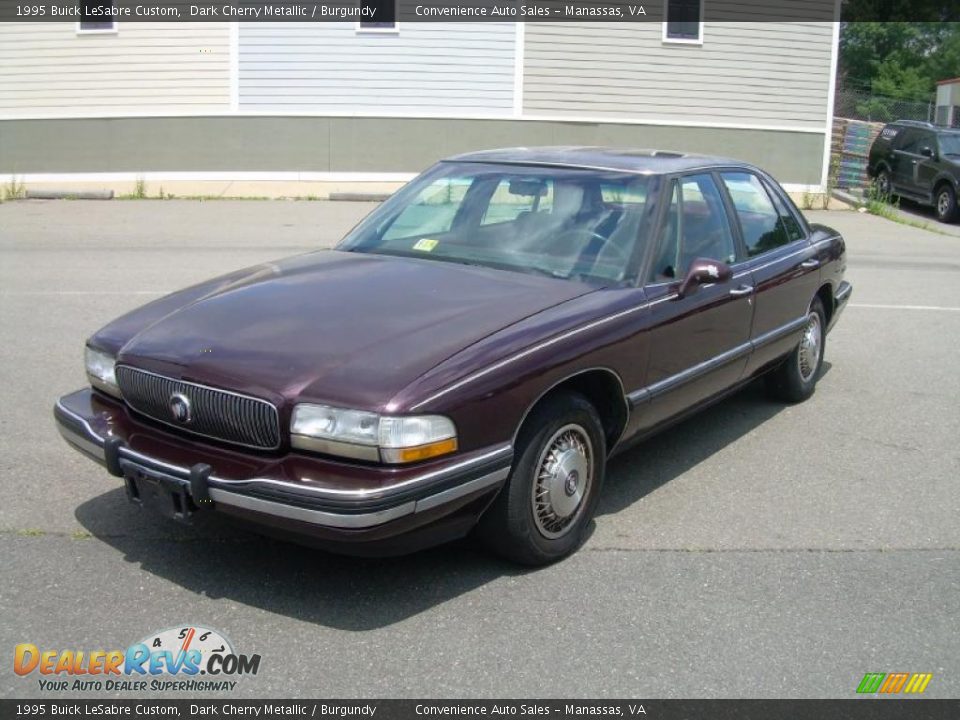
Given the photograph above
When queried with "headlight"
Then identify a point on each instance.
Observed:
(368, 436)
(100, 371)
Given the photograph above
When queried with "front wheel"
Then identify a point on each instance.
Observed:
(946, 204)
(796, 379)
(541, 514)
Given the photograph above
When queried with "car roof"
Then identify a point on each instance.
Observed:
(647, 162)
(922, 125)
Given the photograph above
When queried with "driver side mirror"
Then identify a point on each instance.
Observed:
(704, 271)
(927, 151)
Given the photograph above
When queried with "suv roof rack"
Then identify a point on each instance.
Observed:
(914, 123)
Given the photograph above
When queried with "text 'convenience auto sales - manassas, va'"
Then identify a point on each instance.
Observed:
(168, 660)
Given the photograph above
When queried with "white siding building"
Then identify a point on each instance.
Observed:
(303, 108)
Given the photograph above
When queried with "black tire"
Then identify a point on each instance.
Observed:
(796, 378)
(510, 526)
(945, 203)
(883, 186)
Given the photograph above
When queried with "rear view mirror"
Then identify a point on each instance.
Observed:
(927, 152)
(527, 188)
(704, 271)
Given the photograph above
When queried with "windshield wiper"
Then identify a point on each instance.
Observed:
(539, 271)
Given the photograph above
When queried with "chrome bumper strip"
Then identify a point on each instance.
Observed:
(356, 520)
(225, 491)
(843, 293)
(503, 451)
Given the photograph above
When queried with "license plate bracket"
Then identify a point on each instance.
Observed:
(165, 494)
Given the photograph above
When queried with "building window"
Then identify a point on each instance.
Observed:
(96, 16)
(383, 18)
(684, 21)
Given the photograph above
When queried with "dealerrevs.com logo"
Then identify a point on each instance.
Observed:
(188, 658)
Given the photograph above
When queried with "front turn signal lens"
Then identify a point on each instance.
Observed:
(420, 452)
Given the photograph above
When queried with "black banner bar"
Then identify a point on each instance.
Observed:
(867, 708)
(387, 12)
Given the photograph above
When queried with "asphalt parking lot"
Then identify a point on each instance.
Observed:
(756, 550)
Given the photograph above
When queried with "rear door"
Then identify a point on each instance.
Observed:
(783, 264)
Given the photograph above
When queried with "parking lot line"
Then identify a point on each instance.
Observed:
(86, 292)
(905, 307)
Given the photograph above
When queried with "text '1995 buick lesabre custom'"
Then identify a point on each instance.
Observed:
(469, 356)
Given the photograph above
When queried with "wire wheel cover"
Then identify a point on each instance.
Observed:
(564, 474)
(810, 347)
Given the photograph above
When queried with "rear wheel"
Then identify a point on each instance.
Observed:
(946, 204)
(796, 379)
(883, 186)
(542, 513)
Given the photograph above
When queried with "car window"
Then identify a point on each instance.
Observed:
(431, 212)
(621, 195)
(696, 226)
(790, 223)
(569, 223)
(905, 137)
(917, 141)
(513, 199)
(950, 144)
(762, 225)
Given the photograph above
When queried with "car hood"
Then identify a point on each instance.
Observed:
(343, 328)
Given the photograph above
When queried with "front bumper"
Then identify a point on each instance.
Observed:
(297, 492)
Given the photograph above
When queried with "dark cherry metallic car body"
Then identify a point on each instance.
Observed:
(491, 349)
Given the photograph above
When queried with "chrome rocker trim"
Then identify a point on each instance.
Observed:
(78, 433)
(638, 397)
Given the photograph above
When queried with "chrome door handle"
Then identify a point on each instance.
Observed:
(741, 291)
(810, 264)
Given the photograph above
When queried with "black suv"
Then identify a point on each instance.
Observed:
(918, 161)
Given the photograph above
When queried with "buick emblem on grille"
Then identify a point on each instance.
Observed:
(180, 408)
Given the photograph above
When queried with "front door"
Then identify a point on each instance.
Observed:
(915, 168)
(698, 343)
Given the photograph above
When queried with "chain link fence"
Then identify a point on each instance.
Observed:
(863, 105)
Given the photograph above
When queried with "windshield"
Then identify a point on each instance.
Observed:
(560, 222)
(950, 143)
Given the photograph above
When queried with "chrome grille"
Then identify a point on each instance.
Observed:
(215, 414)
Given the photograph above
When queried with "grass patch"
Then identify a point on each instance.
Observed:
(881, 204)
(808, 201)
(31, 532)
(81, 535)
(139, 191)
(14, 189)
(821, 201)
(888, 207)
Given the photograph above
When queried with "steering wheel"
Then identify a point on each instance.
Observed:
(621, 257)
(588, 237)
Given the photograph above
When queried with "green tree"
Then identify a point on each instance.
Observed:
(898, 59)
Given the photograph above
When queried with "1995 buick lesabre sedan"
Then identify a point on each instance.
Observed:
(469, 356)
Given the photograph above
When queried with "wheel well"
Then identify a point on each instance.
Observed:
(940, 183)
(604, 390)
(825, 293)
